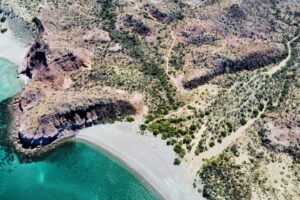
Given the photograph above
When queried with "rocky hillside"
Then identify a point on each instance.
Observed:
(203, 73)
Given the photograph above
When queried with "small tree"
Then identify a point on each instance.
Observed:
(177, 161)
(243, 121)
(255, 113)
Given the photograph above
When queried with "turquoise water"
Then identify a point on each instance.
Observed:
(9, 84)
(73, 171)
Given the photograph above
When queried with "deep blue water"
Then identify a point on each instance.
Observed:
(73, 171)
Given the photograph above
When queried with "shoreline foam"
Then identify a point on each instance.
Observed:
(146, 155)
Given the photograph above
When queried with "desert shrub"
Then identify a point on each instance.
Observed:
(129, 119)
(223, 179)
(179, 150)
(243, 121)
(255, 113)
(177, 161)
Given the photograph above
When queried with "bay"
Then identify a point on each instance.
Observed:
(73, 171)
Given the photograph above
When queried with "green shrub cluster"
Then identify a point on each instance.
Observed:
(223, 179)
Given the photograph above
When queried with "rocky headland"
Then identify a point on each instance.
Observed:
(216, 80)
(37, 125)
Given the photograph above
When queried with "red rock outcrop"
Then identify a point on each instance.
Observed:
(52, 127)
(52, 65)
(43, 115)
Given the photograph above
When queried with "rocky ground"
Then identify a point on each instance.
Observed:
(213, 76)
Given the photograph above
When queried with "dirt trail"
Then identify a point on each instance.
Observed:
(283, 63)
(194, 163)
(170, 52)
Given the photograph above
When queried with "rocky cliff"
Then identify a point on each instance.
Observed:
(50, 109)
(53, 126)
(223, 65)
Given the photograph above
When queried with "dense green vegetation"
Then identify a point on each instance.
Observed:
(224, 180)
(172, 131)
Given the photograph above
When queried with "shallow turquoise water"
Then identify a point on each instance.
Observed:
(9, 84)
(73, 171)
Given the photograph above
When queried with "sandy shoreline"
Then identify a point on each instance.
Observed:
(148, 156)
(12, 49)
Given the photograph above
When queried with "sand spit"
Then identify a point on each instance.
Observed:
(148, 156)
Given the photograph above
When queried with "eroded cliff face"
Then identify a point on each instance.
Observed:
(91, 56)
(89, 51)
(223, 65)
(49, 109)
(52, 65)
(54, 126)
(227, 39)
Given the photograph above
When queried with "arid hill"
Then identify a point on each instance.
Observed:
(216, 79)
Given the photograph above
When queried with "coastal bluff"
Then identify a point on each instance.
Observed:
(48, 110)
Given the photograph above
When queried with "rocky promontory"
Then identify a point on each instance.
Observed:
(50, 109)
(67, 121)
(95, 62)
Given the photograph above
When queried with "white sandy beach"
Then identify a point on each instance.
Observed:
(148, 156)
(11, 48)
